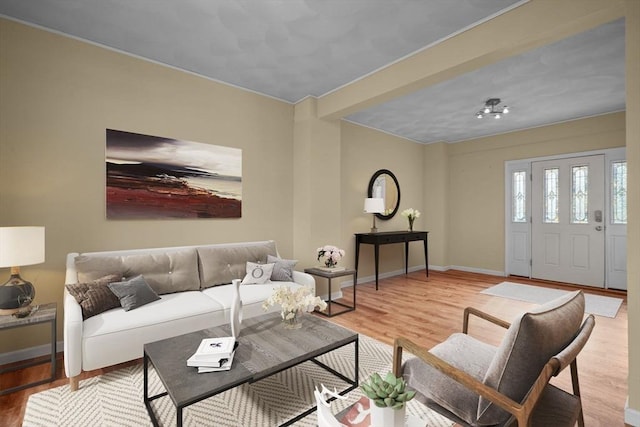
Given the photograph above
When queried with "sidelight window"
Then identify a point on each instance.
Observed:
(619, 192)
(519, 196)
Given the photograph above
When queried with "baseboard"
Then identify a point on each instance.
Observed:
(477, 270)
(372, 278)
(29, 353)
(631, 416)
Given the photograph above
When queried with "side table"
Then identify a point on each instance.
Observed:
(329, 275)
(45, 313)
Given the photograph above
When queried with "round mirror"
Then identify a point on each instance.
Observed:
(384, 185)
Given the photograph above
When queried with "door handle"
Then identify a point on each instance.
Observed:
(598, 228)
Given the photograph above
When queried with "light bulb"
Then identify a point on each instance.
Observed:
(505, 110)
(479, 115)
(487, 110)
(498, 116)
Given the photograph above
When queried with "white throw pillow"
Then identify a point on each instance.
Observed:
(257, 274)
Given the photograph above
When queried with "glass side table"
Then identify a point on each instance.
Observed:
(329, 275)
(43, 314)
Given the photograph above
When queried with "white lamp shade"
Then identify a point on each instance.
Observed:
(21, 246)
(374, 205)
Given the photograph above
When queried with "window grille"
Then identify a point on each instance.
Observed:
(550, 214)
(619, 192)
(519, 196)
(580, 194)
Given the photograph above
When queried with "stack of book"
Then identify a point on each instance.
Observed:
(213, 354)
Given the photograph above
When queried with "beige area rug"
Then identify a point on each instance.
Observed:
(115, 399)
(594, 304)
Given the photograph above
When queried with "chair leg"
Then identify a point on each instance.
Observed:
(397, 359)
(576, 389)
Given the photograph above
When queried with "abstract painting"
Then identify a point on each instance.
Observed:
(150, 177)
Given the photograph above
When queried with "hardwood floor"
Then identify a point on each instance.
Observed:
(428, 310)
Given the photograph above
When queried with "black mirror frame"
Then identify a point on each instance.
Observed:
(370, 191)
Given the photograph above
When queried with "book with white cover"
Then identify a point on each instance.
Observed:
(222, 365)
(213, 349)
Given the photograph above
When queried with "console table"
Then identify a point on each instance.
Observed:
(387, 237)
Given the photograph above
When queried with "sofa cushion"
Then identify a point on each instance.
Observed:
(257, 274)
(95, 297)
(221, 264)
(165, 272)
(133, 293)
(283, 268)
(116, 336)
(91, 268)
(531, 340)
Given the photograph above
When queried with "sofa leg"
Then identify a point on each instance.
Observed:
(73, 382)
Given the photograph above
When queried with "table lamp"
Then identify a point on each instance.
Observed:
(19, 246)
(374, 205)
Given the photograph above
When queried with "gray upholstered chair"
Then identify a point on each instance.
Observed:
(477, 384)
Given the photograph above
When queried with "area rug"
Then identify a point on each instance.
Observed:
(595, 304)
(115, 399)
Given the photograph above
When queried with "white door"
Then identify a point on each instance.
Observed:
(567, 229)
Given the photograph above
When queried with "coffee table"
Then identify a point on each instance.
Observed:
(265, 348)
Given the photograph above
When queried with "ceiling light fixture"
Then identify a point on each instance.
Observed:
(491, 109)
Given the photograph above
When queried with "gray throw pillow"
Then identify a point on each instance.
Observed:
(282, 269)
(95, 297)
(133, 293)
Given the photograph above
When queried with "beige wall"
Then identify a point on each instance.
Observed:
(59, 95)
(459, 188)
(476, 181)
(364, 151)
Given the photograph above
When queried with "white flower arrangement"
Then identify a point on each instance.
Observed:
(293, 301)
(332, 255)
(411, 214)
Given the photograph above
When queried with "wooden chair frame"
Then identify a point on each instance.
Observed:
(521, 412)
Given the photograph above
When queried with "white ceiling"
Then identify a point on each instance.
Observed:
(289, 49)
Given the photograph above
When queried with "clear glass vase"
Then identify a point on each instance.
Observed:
(292, 319)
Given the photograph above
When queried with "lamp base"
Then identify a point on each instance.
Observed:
(16, 294)
(374, 229)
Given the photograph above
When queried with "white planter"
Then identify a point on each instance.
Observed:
(386, 417)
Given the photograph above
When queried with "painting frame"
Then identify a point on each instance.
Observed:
(151, 177)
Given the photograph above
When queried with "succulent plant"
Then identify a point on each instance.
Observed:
(388, 392)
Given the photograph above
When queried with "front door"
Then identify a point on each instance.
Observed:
(567, 235)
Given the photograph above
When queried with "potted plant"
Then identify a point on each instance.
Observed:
(387, 399)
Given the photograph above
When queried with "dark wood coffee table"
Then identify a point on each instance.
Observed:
(266, 348)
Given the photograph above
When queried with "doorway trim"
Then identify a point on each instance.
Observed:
(610, 155)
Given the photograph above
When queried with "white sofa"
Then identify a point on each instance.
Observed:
(202, 297)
